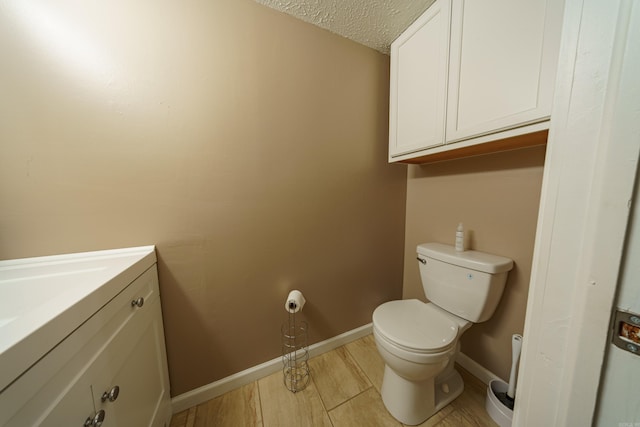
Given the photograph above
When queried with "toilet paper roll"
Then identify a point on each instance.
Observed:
(295, 302)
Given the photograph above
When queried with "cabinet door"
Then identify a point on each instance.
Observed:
(55, 392)
(419, 61)
(503, 62)
(134, 360)
(74, 408)
(136, 365)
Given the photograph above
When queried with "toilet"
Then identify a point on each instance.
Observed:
(419, 341)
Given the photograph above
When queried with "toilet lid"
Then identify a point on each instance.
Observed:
(415, 326)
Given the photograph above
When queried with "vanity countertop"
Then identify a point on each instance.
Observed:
(44, 299)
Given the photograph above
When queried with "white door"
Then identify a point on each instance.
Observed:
(619, 398)
(588, 188)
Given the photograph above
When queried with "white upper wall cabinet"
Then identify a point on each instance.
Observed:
(499, 59)
(419, 62)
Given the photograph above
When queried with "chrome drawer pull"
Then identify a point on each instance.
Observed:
(137, 302)
(97, 420)
(111, 395)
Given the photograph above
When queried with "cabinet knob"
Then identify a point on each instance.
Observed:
(111, 395)
(97, 420)
(137, 302)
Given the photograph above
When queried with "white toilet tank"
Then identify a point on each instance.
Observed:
(468, 284)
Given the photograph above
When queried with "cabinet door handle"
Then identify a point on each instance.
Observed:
(137, 302)
(111, 395)
(97, 420)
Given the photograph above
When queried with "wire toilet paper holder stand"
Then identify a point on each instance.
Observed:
(295, 352)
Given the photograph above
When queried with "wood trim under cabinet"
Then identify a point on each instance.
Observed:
(512, 143)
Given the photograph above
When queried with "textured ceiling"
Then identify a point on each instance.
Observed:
(373, 23)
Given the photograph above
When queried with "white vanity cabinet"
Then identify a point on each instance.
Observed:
(501, 64)
(109, 371)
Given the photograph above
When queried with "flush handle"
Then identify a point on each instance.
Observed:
(424, 261)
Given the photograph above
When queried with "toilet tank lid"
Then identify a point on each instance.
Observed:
(473, 260)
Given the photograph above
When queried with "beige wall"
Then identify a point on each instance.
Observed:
(496, 197)
(248, 146)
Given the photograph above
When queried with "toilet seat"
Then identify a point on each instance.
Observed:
(415, 326)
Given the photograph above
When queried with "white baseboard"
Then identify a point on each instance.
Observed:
(216, 388)
(475, 369)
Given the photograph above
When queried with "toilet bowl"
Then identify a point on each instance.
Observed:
(419, 341)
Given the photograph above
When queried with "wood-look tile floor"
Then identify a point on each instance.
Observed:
(344, 391)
